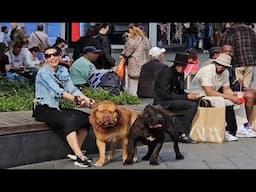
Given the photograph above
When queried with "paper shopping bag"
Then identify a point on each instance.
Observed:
(208, 125)
(240, 113)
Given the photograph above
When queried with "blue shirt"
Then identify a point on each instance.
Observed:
(50, 86)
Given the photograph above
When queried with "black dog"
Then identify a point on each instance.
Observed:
(150, 128)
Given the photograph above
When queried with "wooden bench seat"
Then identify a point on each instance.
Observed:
(19, 122)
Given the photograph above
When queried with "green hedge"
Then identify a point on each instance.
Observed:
(18, 96)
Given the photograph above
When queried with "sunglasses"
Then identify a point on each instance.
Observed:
(51, 54)
(222, 65)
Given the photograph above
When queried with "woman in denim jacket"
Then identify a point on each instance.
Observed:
(52, 84)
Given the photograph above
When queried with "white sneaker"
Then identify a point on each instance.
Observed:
(251, 132)
(245, 132)
(229, 137)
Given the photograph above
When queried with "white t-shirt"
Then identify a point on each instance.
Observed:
(16, 60)
(207, 76)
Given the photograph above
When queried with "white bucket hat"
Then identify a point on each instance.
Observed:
(224, 59)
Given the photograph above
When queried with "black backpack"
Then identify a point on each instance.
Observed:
(110, 81)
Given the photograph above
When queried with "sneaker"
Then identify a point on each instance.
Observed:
(82, 162)
(74, 157)
(250, 130)
(245, 132)
(229, 137)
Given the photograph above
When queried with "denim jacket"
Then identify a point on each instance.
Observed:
(50, 86)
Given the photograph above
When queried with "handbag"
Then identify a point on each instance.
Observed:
(120, 69)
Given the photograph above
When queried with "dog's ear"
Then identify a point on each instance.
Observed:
(159, 107)
(148, 107)
(92, 117)
(145, 111)
(164, 111)
(119, 116)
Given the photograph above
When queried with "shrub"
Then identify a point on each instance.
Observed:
(19, 96)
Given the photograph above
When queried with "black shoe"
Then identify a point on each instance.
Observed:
(82, 162)
(74, 157)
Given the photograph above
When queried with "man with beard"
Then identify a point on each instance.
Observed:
(213, 80)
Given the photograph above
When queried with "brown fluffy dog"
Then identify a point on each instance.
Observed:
(111, 124)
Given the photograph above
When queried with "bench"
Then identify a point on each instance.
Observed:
(25, 141)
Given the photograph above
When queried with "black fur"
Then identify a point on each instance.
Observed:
(150, 128)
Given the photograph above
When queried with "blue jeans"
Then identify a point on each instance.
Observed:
(191, 40)
(15, 76)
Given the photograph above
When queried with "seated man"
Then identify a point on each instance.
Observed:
(83, 67)
(213, 80)
(249, 94)
(169, 93)
(149, 71)
(17, 69)
(213, 54)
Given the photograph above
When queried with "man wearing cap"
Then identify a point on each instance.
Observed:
(215, 76)
(213, 80)
(170, 94)
(213, 54)
(148, 72)
(83, 67)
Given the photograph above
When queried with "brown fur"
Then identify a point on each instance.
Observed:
(111, 124)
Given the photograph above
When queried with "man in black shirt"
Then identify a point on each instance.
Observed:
(170, 94)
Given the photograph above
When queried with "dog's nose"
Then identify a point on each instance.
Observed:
(106, 118)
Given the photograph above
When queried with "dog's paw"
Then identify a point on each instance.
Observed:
(179, 157)
(128, 162)
(145, 158)
(153, 162)
(99, 164)
(135, 159)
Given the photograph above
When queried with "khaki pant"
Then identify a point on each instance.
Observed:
(245, 74)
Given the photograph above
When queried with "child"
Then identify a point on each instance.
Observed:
(193, 63)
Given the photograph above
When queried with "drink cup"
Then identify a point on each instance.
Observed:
(240, 94)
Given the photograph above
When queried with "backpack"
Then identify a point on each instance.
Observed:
(95, 78)
(110, 81)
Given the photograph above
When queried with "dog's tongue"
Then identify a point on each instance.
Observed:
(156, 126)
(106, 122)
